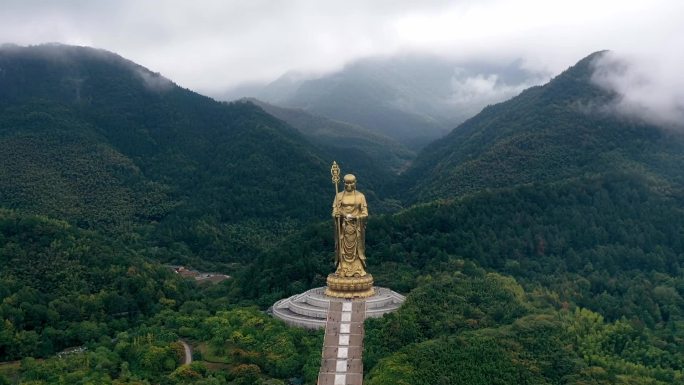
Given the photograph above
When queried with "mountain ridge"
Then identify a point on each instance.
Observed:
(377, 159)
(546, 133)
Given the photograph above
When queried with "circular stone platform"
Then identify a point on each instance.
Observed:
(310, 309)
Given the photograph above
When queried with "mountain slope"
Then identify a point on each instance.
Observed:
(376, 158)
(53, 165)
(95, 139)
(547, 133)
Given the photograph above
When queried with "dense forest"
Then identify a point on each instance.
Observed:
(63, 288)
(606, 247)
(538, 244)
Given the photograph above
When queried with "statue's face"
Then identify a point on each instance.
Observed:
(349, 185)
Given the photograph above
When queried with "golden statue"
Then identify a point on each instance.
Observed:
(349, 211)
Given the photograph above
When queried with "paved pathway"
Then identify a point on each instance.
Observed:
(188, 353)
(343, 344)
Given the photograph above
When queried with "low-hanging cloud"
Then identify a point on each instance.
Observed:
(473, 93)
(153, 81)
(644, 87)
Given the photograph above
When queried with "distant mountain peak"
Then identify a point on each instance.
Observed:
(413, 99)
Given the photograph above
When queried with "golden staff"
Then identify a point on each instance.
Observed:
(335, 172)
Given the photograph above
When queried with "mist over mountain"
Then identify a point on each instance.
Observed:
(644, 87)
(411, 98)
(563, 129)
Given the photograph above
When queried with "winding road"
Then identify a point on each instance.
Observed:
(188, 353)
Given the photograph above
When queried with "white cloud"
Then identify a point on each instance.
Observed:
(211, 45)
(472, 93)
(153, 81)
(484, 89)
(646, 87)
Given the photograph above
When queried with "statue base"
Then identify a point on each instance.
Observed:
(310, 309)
(349, 287)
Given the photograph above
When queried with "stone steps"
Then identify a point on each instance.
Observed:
(341, 361)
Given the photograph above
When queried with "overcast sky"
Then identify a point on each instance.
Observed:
(210, 45)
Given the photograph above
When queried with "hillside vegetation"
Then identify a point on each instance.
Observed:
(121, 315)
(376, 158)
(542, 243)
(606, 247)
(91, 138)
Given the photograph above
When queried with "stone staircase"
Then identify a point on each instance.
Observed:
(341, 362)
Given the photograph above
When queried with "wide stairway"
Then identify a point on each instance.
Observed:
(343, 344)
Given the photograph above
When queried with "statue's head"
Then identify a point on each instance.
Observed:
(349, 183)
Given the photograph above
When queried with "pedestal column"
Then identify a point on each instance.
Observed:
(349, 287)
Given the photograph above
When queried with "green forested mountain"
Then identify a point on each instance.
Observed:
(106, 168)
(373, 155)
(92, 138)
(555, 259)
(375, 158)
(545, 134)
